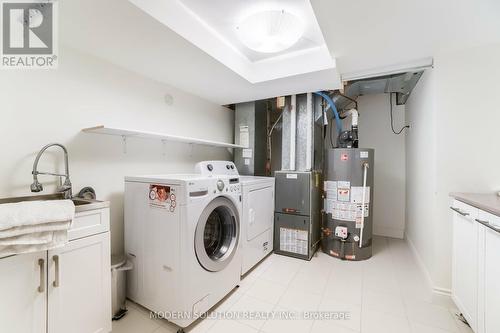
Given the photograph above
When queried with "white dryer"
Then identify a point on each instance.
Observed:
(257, 220)
(182, 234)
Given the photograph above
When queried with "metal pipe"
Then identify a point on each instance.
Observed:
(293, 130)
(354, 116)
(51, 174)
(309, 134)
(270, 138)
(334, 109)
(275, 123)
(363, 201)
(349, 98)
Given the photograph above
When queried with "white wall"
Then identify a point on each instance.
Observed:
(375, 132)
(468, 120)
(421, 172)
(466, 94)
(40, 106)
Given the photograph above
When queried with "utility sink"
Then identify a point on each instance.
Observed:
(80, 203)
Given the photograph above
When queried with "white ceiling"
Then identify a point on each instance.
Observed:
(368, 34)
(234, 11)
(204, 24)
(119, 32)
(361, 35)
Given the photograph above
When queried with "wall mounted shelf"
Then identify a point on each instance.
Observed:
(130, 133)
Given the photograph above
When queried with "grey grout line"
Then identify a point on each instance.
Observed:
(362, 294)
(324, 291)
(399, 286)
(286, 289)
(326, 286)
(430, 302)
(386, 246)
(258, 276)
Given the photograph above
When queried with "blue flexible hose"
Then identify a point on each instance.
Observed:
(334, 109)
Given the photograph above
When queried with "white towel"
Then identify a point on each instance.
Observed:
(32, 226)
(27, 213)
(58, 239)
(33, 229)
(34, 235)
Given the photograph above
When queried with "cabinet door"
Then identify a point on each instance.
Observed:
(465, 261)
(23, 290)
(79, 286)
(491, 295)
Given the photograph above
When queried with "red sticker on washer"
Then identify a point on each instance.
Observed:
(344, 157)
(159, 196)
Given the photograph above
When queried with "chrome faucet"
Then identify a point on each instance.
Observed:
(64, 188)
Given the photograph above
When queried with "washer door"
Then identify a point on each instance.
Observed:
(217, 234)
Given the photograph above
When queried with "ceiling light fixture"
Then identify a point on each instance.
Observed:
(270, 31)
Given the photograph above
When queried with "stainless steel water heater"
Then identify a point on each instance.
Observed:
(347, 218)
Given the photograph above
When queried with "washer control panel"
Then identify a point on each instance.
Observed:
(235, 188)
(228, 185)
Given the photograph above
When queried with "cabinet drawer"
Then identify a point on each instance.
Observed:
(464, 209)
(89, 223)
(489, 218)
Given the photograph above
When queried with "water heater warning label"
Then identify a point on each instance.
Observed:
(294, 241)
(343, 194)
(344, 191)
(347, 211)
(331, 190)
(344, 201)
(357, 194)
(343, 184)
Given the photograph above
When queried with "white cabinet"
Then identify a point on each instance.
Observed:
(80, 287)
(491, 281)
(476, 267)
(62, 290)
(489, 278)
(465, 260)
(23, 301)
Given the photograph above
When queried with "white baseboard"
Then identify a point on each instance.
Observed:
(388, 232)
(436, 289)
(442, 291)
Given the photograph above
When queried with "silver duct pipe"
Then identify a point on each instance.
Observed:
(289, 135)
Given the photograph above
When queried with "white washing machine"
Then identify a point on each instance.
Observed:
(182, 234)
(257, 220)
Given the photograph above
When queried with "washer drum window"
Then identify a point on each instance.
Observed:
(217, 234)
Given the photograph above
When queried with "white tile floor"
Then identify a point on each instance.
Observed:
(382, 295)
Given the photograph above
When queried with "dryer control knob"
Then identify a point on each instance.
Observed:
(220, 185)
